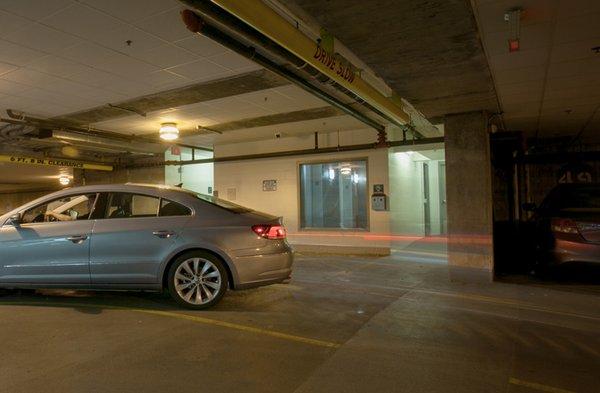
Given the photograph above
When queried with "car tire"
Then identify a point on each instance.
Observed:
(197, 280)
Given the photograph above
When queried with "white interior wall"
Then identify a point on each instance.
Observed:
(407, 213)
(406, 195)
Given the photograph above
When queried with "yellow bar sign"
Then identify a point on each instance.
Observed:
(55, 162)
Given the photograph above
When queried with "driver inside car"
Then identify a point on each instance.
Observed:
(58, 215)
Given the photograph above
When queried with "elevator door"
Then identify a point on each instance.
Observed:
(442, 188)
(426, 200)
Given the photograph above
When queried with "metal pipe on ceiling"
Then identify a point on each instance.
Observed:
(197, 25)
(261, 17)
(91, 141)
(10, 131)
(289, 153)
(19, 118)
(80, 145)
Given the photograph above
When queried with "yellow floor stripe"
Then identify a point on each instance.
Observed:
(215, 322)
(187, 317)
(538, 386)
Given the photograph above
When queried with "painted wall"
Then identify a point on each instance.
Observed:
(242, 182)
(152, 175)
(407, 203)
(11, 201)
(406, 194)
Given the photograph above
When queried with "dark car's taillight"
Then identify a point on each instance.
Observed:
(564, 225)
(270, 231)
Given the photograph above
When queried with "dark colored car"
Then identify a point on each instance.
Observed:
(567, 226)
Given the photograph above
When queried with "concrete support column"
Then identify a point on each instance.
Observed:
(469, 197)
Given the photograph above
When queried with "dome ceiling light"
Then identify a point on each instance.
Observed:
(169, 131)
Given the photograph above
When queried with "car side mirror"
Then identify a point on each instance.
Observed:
(14, 220)
(529, 207)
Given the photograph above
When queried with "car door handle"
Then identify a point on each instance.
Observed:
(163, 234)
(77, 239)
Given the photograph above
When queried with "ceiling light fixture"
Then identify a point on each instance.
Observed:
(168, 131)
(64, 180)
(345, 170)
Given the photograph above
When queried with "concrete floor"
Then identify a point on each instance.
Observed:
(343, 325)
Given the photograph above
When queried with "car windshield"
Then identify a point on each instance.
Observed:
(232, 207)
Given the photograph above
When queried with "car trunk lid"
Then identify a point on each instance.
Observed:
(587, 222)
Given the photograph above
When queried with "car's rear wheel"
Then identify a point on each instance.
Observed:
(197, 280)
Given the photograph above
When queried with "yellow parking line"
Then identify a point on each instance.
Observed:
(192, 318)
(538, 386)
(215, 322)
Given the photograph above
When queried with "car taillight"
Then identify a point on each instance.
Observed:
(270, 231)
(564, 225)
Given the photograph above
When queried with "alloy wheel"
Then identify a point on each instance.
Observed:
(197, 281)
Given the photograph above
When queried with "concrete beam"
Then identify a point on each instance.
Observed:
(279, 118)
(200, 92)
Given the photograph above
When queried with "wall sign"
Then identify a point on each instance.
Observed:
(55, 162)
(378, 189)
(575, 173)
(270, 185)
(335, 63)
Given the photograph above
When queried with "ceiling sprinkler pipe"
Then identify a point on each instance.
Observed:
(134, 147)
(13, 131)
(288, 153)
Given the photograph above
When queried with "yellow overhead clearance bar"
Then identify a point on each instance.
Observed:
(264, 19)
(57, 162)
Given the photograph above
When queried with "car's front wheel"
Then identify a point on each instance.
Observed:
(197, 280)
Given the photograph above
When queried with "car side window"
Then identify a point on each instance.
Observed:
(126, 205)
(169, 208)
(70, 208)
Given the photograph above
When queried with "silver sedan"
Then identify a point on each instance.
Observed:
(142, 237)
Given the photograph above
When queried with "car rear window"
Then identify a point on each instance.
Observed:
(583, 198)
(169, 209)
(232, 207)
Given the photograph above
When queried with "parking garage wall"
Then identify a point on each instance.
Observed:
(152, 175)
(242, 182)
(10, 201)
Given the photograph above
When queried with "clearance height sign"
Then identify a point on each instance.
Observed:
(55, 162)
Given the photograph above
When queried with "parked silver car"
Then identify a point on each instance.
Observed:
(142, 237)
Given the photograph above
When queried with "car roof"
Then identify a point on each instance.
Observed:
(159, 190)
(126, 187)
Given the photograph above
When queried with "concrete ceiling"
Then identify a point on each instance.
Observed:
(551, 86)
(68, 60)
(429, 52)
